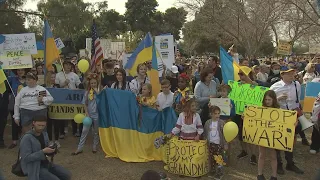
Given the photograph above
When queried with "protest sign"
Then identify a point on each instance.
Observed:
(59, 43)
(246, 94)
(20, 42)
(67, 103)
(269, 127)
(223, 104)
(312, 89)
(16, 59)
(284, 48)
(165, 48)
(187, 157)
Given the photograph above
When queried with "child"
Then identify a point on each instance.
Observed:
(57, 125)
(315, 145)
(189, 126)
(181, 93)
(269, 100)
(165, 98)
(146, 97)
(91, 109)
(224, 91)
(213, 132)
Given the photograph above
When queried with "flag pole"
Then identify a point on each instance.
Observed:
(10, 88)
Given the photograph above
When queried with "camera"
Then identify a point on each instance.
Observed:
(55, 147)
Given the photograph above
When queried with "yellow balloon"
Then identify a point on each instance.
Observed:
(230, 131)
(79, 118)
(83, 65)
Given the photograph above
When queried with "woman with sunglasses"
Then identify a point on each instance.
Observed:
(17, 82)
(31, 101)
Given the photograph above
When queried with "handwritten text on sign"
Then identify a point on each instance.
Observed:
(16, 59)
(269, 127)
(188, 158)
(20, 42)
(246, 94)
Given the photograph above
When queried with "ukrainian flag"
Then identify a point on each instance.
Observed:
(51, 52)
(128, 132)
(154, 73)
(230, 68)
(142, 54)
(3, 78)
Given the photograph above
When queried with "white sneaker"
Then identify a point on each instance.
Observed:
(58, 144)
(313, 151)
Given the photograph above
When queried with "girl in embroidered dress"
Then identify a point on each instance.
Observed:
(146, 97)
(182, 92)
(189, 126)
(91, 109)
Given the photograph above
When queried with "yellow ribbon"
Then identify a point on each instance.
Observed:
(91, 94)
(183, 93)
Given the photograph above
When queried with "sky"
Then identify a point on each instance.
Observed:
(118, 5)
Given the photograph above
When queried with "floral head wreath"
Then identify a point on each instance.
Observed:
(184, 76)
(92, 76)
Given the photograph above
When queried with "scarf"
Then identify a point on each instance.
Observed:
(91, 94)
(183, 93)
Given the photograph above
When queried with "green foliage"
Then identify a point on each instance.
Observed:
(11, 22)
(110, 24)
(140, 14)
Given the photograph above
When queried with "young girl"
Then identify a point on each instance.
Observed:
(213, 132)
(182, 92)
(269, 100)
(58, 125)
(142, 78)
(224, 91)
(189, 126)
(91, 109)
(146, 97)
(121, 82)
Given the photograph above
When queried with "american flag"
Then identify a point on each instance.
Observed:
(96, 50)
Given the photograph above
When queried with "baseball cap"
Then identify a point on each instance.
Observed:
(287, 70)
(174, 69)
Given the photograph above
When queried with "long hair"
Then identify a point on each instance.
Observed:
(186, 106)
(149, 86)
(124, 80)
(48, 82)
(92, 76)
(273, 96)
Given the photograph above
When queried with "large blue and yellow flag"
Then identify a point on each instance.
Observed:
(154, 73)
(3, 78)
(230, 68)
(51, 52)
(128, 132)
(141, 54)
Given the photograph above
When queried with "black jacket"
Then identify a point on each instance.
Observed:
(4, 99)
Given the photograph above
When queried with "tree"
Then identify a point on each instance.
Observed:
(140, 14)
(110, 24)
(11, 22)
(174, 20)
(67, 18)
(247, 22)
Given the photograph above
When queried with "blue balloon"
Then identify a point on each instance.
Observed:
(87, 121)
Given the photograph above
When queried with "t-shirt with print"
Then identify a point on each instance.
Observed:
(73, 78)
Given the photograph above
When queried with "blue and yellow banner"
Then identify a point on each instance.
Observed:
(66, 104)
(128, 132)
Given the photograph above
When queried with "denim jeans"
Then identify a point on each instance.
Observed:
(85, 132)
(54, 172)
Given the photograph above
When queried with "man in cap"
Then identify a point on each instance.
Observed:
(288, 94)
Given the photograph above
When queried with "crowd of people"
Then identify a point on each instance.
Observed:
(187, 87)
